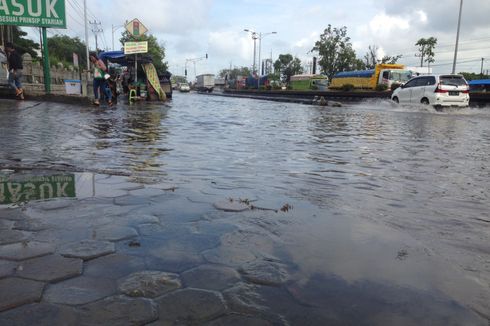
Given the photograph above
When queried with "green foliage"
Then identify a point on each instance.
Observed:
(473, 76)
(155, 50)
(371, 58)
(395, 86)
(426, 49)
(234, 73)
(381, 87)
(335, 51)
(288, 66)
(22, 45)
(347, 87)
(62, 47)
(175, 79)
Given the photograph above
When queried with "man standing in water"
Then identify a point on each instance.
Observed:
(15, 67)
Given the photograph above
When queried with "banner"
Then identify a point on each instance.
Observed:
(39, 13)
(135, 47)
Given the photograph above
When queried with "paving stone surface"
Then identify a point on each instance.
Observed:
(115, 233)
(15, 292)
(129, 200)
(78, 291)
(119, 310)
(26, 250)
(12, 236)
(231, 205)
(239, 320)
(265, 273)
(40, 314)
(6, 224)
(31, 224)
(170, 260)
(7, 268)
(229, 256)
(56, 204)
(190, 306)
(50, 268)
(114, 266)
(211, 277)
(13, 214)
(149, 284)
(87, 249)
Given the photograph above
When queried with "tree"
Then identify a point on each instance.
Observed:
(234, 73)
(426, 49)
(335, 51)
(62, 47)
(155, 51)
(23, 45)
(371, 58)
(288, 66)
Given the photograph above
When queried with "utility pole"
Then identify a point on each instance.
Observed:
(457, 37)
(86, 33)
(96, 29)
(481, 71)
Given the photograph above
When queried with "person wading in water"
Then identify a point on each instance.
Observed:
(15, 67)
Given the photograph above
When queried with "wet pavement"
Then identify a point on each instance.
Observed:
(227, 211)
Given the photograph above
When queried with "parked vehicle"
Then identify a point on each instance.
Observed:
(479, 85)
(205, 83)
(436, 90)
(184, 87)
(382, 74)
(309, 82)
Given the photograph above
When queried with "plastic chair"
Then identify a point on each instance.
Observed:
(132, 95)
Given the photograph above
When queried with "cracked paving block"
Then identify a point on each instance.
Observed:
(211, 277)
(87, 249)
(15, 292)
(7, 268)
(80, 290)
(119, 310)
(115, 233)
(40, 314)
(51, 268)
(32, 224)
(190, 306)
(25, 250)
(265, 273)
(171, 260)
(6, 224)
(12, 236)
(149, 284)
(55, 204)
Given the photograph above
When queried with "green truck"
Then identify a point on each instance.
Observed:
(309, 82)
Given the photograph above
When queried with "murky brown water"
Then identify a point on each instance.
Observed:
(390, 204)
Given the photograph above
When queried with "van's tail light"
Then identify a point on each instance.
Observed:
(465, 92)
(439, 90)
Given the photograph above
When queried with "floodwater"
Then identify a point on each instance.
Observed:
(385, 209)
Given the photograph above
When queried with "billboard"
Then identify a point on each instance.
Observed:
(38, 13)
(135, 47)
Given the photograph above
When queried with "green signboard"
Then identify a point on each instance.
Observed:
(39, 13)
(42, 187)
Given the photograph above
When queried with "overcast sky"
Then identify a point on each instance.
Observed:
(191, 28)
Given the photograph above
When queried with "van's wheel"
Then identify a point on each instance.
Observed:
(395, 99)
(424, 101)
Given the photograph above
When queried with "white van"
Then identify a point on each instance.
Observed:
(436, 90)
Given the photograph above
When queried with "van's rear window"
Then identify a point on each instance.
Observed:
(453, 80)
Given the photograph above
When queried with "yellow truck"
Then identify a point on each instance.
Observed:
(382, 74)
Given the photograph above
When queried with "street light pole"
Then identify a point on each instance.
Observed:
(260, 49)
(254, 37)
(457, 37)
(115, 28)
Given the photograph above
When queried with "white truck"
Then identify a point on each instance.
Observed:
(205, 83)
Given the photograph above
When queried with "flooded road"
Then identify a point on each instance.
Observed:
(384, 214)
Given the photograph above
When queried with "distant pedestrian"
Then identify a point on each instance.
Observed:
(15, 68)
(100, 83)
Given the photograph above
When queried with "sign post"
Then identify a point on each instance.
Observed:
(48, 13)
(136, 29)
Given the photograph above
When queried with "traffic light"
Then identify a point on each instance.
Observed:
(206, 55)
